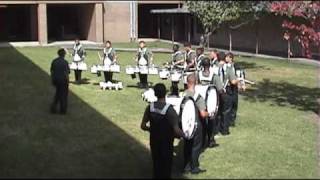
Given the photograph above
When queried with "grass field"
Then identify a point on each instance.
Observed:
(275, 136)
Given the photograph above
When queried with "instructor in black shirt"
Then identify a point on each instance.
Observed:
(60, 79)
(163, 128)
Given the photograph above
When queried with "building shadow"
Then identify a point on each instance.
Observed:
(283, 94)
(37, 144)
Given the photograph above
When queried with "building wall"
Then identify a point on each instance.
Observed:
(117, 21)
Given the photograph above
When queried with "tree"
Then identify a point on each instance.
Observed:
(302, 21)
(233, 14)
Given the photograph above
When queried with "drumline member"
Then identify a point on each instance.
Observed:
(78, 50)
(200, 57)
(190, 57)
(109, 58)
(190, 60)
(143, 58)
(207, 77)
(193, 146)
(163, 128)
(214, 58)
(177, 62)
(234, 89)
(60, 79)
(227, 75)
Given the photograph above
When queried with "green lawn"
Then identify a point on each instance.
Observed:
(100, 136)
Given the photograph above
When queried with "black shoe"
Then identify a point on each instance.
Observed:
(198, 171)
(213, 144)
(225, 133)
(187, 169)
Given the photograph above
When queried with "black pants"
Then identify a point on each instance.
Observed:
(108, 76)
(61, 96)
(77, 74)
(175, 88)
(192, 149)
(143, 79)
(162, 154)
(210, 130)
(225, 118)
(234, 108)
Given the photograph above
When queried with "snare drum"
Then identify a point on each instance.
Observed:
(82, 66)
(99, 68)
(94, 69)
(115, 68)
(143, 69)
(130, 70)
(73, 66)
(164, 73)
(153, 70)
(176, 76)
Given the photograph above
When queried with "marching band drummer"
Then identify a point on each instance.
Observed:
(214, 58)
(193, 147)
(200, 57)
(163, 128)
(109, 58)
(190, 57)
(227, 75)
(234, 89)
(177, 62)
(144, 57)
(78, 56)
(207, 77)
(190, 60)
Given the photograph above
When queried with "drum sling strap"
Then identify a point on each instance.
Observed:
(162, 111)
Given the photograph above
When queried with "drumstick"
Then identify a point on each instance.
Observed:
(99, 56)
(250, 82)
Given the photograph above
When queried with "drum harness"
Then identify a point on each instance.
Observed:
(162, 111)
(108, 54)
(142, 54)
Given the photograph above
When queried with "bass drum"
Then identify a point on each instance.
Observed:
(211, 96)
(212, 101)
(188, 117)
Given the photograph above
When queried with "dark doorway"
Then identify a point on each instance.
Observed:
(67, 22)
(18, 23)
(147, 22)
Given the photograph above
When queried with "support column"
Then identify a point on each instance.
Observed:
(172, 29)
(159, 26)
(99, 22)
(42, 24)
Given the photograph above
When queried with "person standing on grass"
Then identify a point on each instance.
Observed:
(234, 89)
(109, 58)
(144, 58)
(60, 79)
(193, 146)
(163, 128)
(78, 57)
(228, 77)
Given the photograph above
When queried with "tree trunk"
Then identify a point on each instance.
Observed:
(230, 40)
(257, 38)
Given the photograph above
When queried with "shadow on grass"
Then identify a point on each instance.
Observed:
(283, 94)
(250, 65)
(82, 144)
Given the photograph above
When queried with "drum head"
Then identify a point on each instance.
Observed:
(188, 117)
(212, 101)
